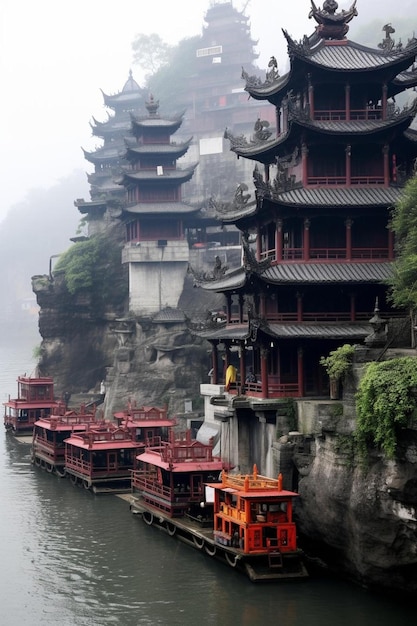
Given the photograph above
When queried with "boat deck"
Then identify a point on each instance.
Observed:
(258, 567)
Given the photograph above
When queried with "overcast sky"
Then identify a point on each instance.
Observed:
(56, 55)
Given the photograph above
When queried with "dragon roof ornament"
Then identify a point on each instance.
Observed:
(332, 25)
(272, 75)
(261, 134)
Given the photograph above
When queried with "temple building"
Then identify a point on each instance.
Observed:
(324, 187)
(156, 249)
(108, 157)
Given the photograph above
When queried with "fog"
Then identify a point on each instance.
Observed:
(56, 56)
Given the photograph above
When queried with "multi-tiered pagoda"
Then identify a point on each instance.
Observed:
(156, 249)
(107, 158)
(320, 214)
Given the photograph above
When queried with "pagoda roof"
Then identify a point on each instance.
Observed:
(174, 149)
(130, 92)
(169, 315)
(343, 56)
(265, 150)
(160, 208)
(337, 330)
(112, 125)
(306, 273)
(301, 330)
(155, 121)
(168, 176)
(105, 153)
(314, 197)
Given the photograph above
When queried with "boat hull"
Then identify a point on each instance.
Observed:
(257, 567)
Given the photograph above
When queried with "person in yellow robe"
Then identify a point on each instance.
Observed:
(231, 373)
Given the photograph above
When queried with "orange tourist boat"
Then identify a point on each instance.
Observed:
(245, 521)
(35, 399)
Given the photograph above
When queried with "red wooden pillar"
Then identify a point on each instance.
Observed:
(214, 365)
(348, 225)
(390, 244)
(310, 97)
(262, 305)
(264, 372)
(242, 369)
(306, 240)
(258, 244)
(300, 371)
(278, 120)
(228, 308)
(240, 309)
(348, 165)
(278, 241)
(299, 307)
(385, 152)
(347, 102)
(384, 101)
(352, 307)
(304, 154)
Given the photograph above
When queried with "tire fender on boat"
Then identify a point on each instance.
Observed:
(198, 542)
(210, 550)
(147, 518)
(171, 529)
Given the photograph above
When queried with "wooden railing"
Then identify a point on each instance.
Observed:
(319, 254)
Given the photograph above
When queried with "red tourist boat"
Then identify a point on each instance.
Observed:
(101, 458)
(146, 423)
(49, 434)
(244, 520)
(35, 399)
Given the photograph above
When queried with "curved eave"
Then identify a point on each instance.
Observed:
(231, 216)
(174, 150)
(353, 58)
(169, 176)
(337, 330)
(264, 151)
(357, 127)
(172, 124)
(103, 155)
(161, 208)
(235, 279)
(270, 90)
(238, 332)
(113, 101)
(328, 273)
(384, 197)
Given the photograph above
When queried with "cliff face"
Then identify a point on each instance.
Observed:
(361, 519)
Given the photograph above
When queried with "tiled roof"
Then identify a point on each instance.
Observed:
(293, 273)
(232, 331)
(356, 57)
(231, 280)
(341, 196)
(338, 330)
(325, 197)
(169, 315)
(148, 175)
(160, 208)
(167, 148)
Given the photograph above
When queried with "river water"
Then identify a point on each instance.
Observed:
(75, 559)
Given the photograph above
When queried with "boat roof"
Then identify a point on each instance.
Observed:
(146, 422)
(154, 458)
(117, 444)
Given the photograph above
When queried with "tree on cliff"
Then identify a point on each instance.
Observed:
(403, 284)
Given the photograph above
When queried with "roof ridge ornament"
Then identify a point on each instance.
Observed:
(332, 25)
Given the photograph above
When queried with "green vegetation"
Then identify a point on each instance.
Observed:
(385, 402)
(339, 361)
(94, 266)
(403, 285)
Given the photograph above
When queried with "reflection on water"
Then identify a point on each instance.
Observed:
(71, 558)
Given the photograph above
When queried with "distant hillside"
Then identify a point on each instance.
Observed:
(31, 233)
